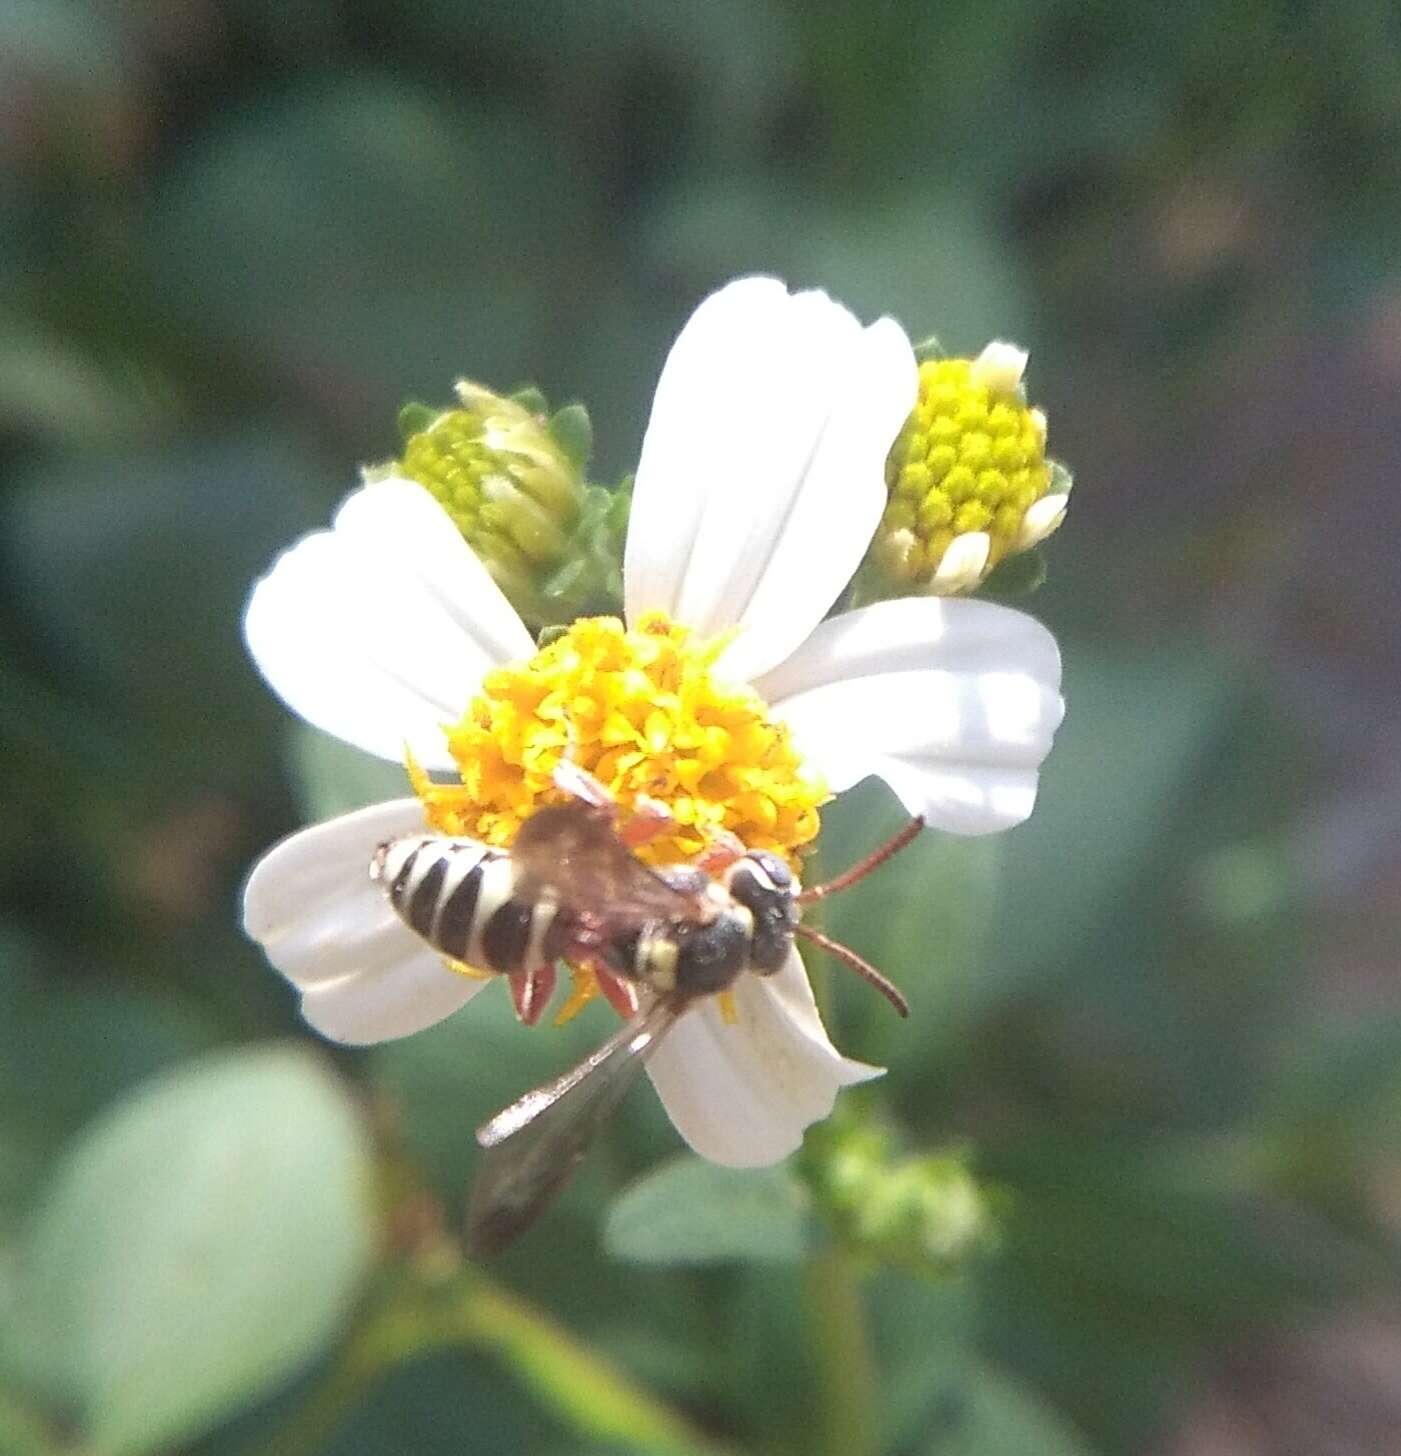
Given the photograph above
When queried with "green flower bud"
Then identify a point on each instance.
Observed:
(512, 479)
(968, 479)
(924, 1212)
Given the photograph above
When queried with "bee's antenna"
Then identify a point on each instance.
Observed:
(863, 968)
(862, 868)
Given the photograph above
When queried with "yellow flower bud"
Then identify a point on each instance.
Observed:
(968, 478)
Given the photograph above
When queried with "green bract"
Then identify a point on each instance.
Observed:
(511, 476)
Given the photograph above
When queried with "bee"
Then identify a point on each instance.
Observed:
(572, 888)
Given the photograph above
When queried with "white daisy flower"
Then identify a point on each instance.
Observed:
(726, 694)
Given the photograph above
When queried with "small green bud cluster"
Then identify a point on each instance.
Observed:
(511, 474)
(923, 1211)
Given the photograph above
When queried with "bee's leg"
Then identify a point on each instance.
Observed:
(621, 994)
(649, 818)
(590, 978)
(722, 851)
(531, 992)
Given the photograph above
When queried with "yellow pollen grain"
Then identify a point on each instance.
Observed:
(461, 968)
(583, 990)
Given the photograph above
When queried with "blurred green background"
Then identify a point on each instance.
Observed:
(1159, 1024)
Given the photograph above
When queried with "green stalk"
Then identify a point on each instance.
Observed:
(587, 1394)
(842, 1355)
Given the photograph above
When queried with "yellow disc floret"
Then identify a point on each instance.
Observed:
(645, 713)
(965, 477)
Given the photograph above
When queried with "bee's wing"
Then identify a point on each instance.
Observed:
(573, 853)
(533, 1146)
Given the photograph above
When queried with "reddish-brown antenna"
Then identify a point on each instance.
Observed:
(863, 968)
(859, 871)
(862, 868)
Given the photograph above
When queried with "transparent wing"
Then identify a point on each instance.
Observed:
(573, 853)
(533, 1146)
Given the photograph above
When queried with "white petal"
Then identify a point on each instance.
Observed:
(380, 630)
(999, 367)
(741, 1095)
(963, 563)
(953, 703)
(1042, 517)
(762, 472)
(916, 632)
(962, 798)
(363, 1010)
(364, 976)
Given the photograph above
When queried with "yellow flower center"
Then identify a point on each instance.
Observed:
(971, 457)
(643, 711)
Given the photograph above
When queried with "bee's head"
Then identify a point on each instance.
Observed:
(765, 886)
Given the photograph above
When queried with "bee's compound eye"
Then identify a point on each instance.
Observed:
(780, 876)
(762, 883)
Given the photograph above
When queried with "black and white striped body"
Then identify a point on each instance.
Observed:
(466, 900)
(460, 896)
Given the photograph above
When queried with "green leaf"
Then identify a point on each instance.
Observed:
(55, 391)
(928, 258)
(68, 1045)
(689, 1211)
(923, 920)
(135, 568)
(197, 1246)
(984, 1412)
(327, 228)
(22, 1432)
(922, 1332)
(1136, 732)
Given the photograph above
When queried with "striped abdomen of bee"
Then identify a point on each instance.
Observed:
(460, 896)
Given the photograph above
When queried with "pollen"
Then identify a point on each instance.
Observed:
(965, 477)
(645, 712)
(584, 989)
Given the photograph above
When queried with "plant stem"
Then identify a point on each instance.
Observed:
(322, 1413)
(846, 1374)
(470, 1312)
